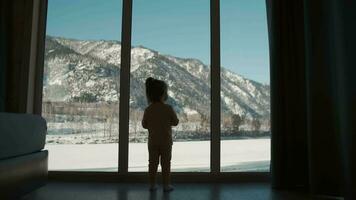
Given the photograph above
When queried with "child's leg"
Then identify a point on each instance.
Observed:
(166, 155)
(153, 161)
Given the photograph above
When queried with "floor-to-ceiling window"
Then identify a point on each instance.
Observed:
(245, 91)
(81, 84)
(171, 42)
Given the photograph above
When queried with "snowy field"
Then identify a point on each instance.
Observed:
(236, 155)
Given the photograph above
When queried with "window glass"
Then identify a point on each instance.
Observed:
(81, 84)
(171, 43)
(245, 90)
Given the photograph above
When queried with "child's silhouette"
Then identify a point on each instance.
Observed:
(159, 118)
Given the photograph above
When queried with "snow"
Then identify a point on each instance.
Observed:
(236, 155)
(189, 111)
(90, 83)
(171, 94)
(138, 56)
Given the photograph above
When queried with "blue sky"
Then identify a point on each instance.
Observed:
(176, 27)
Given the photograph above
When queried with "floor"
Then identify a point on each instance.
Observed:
(184, 191)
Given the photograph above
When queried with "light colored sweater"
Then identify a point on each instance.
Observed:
(159, 118)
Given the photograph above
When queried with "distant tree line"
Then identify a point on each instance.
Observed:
(101, 119)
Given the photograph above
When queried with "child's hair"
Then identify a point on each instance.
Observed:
(155, 90)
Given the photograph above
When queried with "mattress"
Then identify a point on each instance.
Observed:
(21, 134)
(23, 174)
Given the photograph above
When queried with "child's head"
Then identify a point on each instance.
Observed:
(156, 90)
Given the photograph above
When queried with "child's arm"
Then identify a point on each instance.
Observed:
(174, 117)
(144, 120)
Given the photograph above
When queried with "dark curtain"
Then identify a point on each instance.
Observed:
(15, 50)
(346, 32)
(310, 104)
(2, 57)
(288, 98)
(16, 22)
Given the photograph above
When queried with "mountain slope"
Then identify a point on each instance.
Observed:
(90, 70)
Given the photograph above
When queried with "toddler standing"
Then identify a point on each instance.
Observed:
(159, 118)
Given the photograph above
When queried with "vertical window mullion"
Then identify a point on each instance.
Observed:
(125, 85)
(215, 85)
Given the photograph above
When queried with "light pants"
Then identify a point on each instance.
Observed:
(157, 153)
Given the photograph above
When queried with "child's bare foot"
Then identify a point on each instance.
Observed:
(168, 188)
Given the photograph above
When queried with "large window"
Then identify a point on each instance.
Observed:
(245, 91)
(171, 43)
(81, 84)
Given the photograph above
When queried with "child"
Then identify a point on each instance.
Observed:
(159, 118)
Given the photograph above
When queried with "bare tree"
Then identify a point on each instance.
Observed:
(135, 117)
(256, 124)
(237, 121)
(226, 122)
(204, 122)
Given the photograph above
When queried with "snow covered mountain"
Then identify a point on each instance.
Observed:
(87, 70)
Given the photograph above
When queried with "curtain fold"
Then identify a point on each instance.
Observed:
(17, 21)
(16, 18)
(312, 95)
(323, 127)
(289, 166)
(2, 55)
(347, 92)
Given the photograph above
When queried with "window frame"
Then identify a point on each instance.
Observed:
(123, 175)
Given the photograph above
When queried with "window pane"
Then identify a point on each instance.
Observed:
(171, 42)
(245, 90)
(81, 84)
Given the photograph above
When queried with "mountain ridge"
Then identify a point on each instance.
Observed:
(76, 67)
